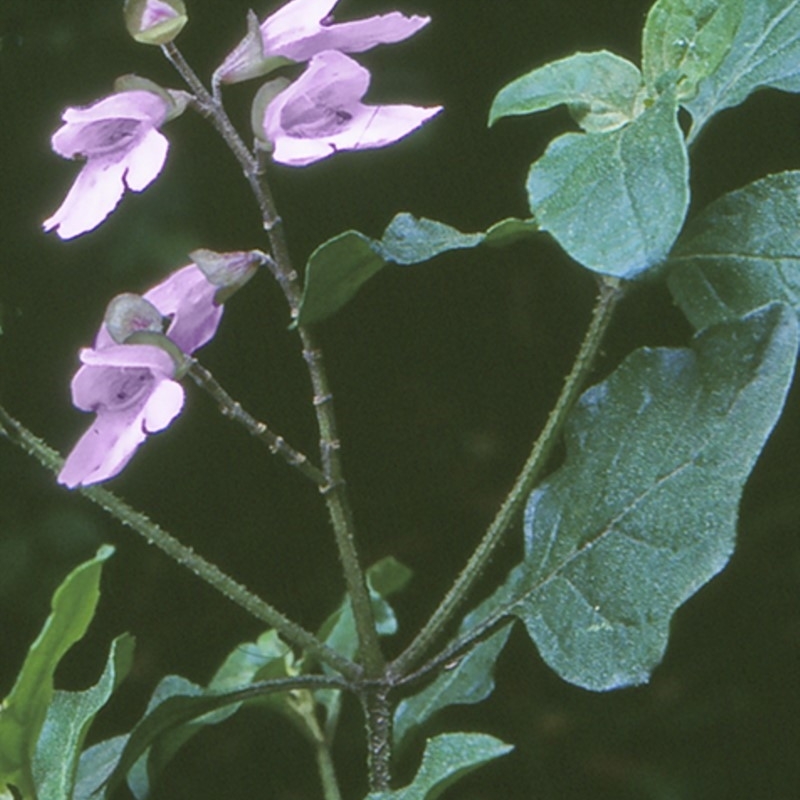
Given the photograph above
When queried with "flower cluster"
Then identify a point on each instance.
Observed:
(319, 114)
(130, 377)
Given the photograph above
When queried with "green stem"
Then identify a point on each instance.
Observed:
(15, 432)
(611, 291)
(233, 410)
(378, 714)
(334, 493)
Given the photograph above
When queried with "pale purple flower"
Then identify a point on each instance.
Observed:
(131, 388)
(119, 139)
(302, 28)
(321, 113)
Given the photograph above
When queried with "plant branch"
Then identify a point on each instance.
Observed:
(611, 291)
(233, 410)
(334, 492)
(15, 432)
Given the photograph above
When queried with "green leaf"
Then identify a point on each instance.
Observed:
(68, 719)
(510, 231)
(602, 91)
(741, 252)
(408, 240)
(447, 758)
(95, 766)
(615, 201)
(23, 712)
(469, 680)
(765, 53)
(689, 36)
(643, 511)
(338, 268)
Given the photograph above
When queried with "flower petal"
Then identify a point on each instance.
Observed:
(350, 37)
(104, 449)
(187, 296)
(321, 113)
(146, 160)
(164, 404)
(135, 104)
(95, 193)
(147, 356)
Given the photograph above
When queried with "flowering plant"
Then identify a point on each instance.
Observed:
(623, 506)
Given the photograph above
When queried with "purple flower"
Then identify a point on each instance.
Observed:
(131, 388)
(303, 28)
(321, 113)
(119, 139)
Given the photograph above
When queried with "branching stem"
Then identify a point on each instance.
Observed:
(334, 492)
(611, 291)
(15, 432)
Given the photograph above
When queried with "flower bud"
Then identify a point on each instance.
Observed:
(229, 271)
(129, 313)
(155, 21)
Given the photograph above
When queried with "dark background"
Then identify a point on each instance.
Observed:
(443, 374)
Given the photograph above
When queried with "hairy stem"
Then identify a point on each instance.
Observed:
(233, 410)
(334, 493)
(15, 432)
(378, 714)
(611, 291)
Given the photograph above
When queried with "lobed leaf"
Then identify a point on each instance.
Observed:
(601, 90)
(23, 712)
(447, 758)
(689, 36)
(643, 511)
(741, 252)
(765, 53)
(615, 201)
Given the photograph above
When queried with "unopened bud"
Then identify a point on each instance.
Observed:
(155, 21)
(128, 313)
(228, 271)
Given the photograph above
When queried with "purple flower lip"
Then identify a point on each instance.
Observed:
(321, 113)
(119, 140)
